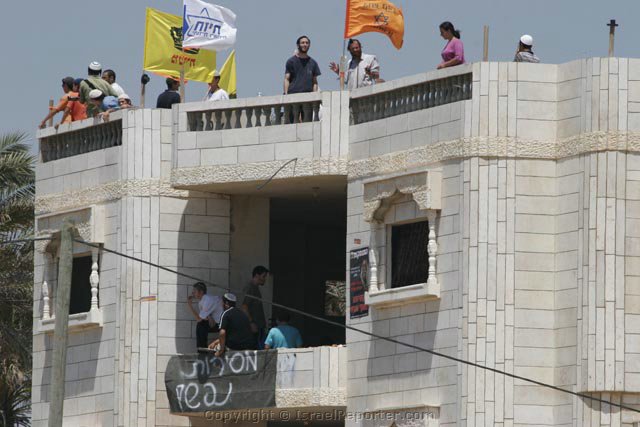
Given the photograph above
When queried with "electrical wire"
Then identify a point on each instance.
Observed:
(261, 186)
(341, 325)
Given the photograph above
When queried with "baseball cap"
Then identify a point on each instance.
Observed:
(526, 40)
(95, 94)
(95, 66)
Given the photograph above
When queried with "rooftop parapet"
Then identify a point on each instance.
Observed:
(418, 92)
(72, 139)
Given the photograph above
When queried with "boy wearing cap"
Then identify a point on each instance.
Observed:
(235, 331)
(124, 101)
(170, 96)
(524, 52)
(94, 81)
(216, 93)
(102, 103)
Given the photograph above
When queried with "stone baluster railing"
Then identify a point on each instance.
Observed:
(256, 112)
(379, 103)
(79, 141)
(94, 279)
(432, 249)
(46, 307)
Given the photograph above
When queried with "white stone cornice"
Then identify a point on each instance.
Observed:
(503, 147)
(107, 192)
(248, 172)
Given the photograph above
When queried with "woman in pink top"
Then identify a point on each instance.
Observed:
(453, 52)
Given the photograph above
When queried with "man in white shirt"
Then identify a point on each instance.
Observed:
(362, 69)
(216, 93)
(110, 77)
(208, 314)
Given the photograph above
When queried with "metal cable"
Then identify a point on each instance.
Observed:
(345, 326)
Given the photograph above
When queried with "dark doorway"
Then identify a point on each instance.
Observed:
(307, 249)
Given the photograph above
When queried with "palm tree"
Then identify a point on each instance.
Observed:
(17, 188)
(15, 396)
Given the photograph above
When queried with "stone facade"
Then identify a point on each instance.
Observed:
(530, 183)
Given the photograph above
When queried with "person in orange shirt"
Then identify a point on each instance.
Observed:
(75, 109)
(67, 87)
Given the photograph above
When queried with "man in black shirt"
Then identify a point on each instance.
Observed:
(235, 329)
(301, 70)
(170, 96)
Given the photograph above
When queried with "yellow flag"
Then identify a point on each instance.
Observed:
(163, 52)
(379, 16)
(228, 75)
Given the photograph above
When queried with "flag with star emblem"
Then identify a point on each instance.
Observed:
(208, 26)
(381, 16)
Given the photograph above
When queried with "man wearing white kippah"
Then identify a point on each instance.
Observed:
(235, 329)
(91, 83)
(524, 52)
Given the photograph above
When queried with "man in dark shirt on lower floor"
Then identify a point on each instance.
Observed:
(235, 329)
(170, 96)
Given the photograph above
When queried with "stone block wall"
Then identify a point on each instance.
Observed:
(115, 372)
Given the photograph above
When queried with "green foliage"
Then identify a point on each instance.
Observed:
(17, 188)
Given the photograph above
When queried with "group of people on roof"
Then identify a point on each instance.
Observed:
(99, 94)
(96, 95)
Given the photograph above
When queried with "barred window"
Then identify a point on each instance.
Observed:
(409, 256)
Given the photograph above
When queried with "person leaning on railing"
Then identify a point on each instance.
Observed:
(75, 109)
(453, 52)
(67, 88)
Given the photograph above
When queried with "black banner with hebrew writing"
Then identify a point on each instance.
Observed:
(238, 380)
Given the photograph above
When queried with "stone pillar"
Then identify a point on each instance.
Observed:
(94, 279)
(432, 248)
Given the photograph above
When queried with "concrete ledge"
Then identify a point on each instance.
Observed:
(311, 397)
(259, 171)
(77, 322)
(401, 296)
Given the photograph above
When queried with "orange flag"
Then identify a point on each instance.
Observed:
(382, 16)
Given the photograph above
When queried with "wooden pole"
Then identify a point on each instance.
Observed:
(63, 294)
(343, 64)
(182, 84)
(50, 108)
(485, 50)
(612, 35)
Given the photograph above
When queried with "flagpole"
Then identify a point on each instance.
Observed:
(343, 63)
(182, 84)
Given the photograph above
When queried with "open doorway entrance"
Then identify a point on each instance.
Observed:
(307, 247)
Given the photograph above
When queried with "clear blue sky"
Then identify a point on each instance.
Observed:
(45, 41)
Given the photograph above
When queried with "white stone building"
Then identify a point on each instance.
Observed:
(500, 203)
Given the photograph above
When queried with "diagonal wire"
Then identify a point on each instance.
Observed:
(371, 334)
